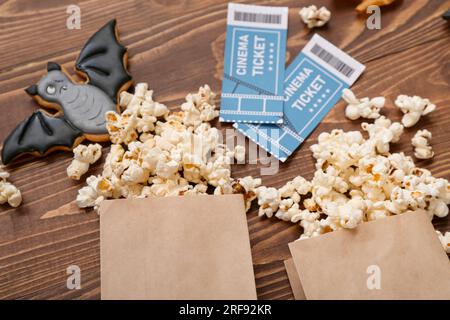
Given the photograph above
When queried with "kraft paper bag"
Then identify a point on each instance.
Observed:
(191, 247)
(399, 257)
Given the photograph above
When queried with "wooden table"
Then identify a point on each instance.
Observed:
(176, 47)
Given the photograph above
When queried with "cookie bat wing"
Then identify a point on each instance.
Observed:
(40, 133)
(103, 60)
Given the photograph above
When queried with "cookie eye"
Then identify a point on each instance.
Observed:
(51, 89)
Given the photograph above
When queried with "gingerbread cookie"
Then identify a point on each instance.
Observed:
(81, 107)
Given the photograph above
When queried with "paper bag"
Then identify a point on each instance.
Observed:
(399, 257)
(294, 280)
(191, 247)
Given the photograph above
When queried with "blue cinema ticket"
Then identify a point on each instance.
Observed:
(255, 50)
(313, 84)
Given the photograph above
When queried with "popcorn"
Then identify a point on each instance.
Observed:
(269, 200)
(305, 216)
(135, 174)
(216, 172)
(298, 185)
(340, 148)
(168, 165)
(9, 193)
(314, 17)
(113, 164)
(362, 108)
(224, 187)
(84, 156)
(160, 187)
(413, 108)
(376, 211)
(158, 153)
(421, 143)
(3, 173)
(310, 205)
(347, 215)
(204, 96)
(445, 240)
(140, 115)
(141, 103)
(438, 207)
(247, 186)
(310, 229)
(121, 128)
(287, 210)
(239, 153)
(199, 107)
(97, 189)
(199, 188)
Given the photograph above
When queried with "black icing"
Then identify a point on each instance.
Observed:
(32, 90)
(446, 15)
(39, 133)
(102, 60)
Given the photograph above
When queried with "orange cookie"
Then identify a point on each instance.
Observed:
(362, 7)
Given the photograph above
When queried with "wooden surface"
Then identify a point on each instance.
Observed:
(176, 46)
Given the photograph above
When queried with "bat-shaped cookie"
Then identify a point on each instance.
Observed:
(81, 107)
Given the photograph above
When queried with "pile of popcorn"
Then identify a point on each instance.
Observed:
(357, 179)
(8, 192)
(159, 153)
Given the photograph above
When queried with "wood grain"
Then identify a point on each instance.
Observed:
(176, 46)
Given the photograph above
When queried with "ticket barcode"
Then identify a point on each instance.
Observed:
(332, 60)
(257, 17)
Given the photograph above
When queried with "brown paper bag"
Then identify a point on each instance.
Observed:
(192, 247)
(294, 280)
(399, 257)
